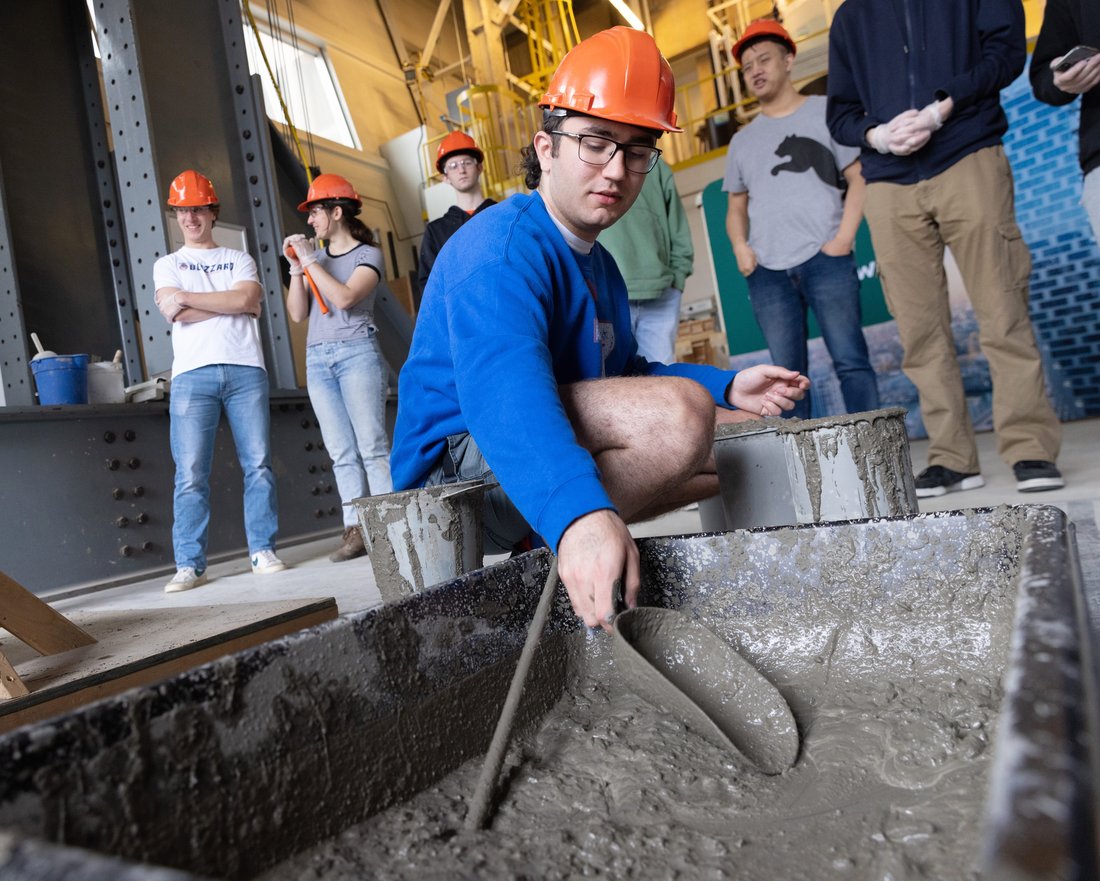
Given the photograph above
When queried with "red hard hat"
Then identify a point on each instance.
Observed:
(617, 74)
(763, 27)
(191, 190)
(330, 186)
(456, 142)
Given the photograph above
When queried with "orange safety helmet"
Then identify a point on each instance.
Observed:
(330, 186)
(617, 74)
(191, 190)
(457, 142)
(763, 28)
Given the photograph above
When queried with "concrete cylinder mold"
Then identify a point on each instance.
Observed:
(420, 537)
(784, 472)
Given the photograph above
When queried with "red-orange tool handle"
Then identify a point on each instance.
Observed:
(312, 284)
(316, 293)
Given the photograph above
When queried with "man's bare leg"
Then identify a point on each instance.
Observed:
(652, 438)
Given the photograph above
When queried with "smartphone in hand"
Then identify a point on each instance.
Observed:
(1073, 56)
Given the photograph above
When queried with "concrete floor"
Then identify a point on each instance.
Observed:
(311, 575)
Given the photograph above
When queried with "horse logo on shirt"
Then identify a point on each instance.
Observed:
(806, 154)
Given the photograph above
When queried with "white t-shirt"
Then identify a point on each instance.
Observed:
(224, 339)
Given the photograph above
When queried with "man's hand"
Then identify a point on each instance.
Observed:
(746, 258)
(1080, 78)
(594, 552)
(304, 249)
(900, 136)
(169, 306)
(767, 389)
(837, 247)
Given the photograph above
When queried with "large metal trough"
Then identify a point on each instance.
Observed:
(229, 769)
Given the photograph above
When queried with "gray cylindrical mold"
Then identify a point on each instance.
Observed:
(784, 472)
(420, 537)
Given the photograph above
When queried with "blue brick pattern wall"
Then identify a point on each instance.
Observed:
(1065, 280)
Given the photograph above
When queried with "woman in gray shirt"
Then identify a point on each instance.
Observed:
(346, 375)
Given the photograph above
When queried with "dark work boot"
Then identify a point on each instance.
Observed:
(351, 548)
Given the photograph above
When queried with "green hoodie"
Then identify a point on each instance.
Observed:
(651, 243)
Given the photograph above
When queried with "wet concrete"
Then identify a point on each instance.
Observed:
(688, 672)
(890, 640)
(895, 677)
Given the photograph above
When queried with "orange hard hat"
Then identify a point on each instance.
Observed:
(456, 142)
(617, 74)
(330, 186)
(191, 190)
(763, 28)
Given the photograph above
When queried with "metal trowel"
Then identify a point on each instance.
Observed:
(685, 670)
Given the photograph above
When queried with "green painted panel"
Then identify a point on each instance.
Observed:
(741, 329)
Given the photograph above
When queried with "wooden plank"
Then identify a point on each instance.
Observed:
(142, 646)
(10, 683)
(29, 619)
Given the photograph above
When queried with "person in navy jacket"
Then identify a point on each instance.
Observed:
(916, 85)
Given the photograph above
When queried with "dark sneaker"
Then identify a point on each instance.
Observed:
(1033, 476)
(935, 480)
(351, 548)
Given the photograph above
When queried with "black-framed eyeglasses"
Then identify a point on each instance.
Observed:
(598, 150)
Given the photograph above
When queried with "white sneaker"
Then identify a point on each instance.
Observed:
(185, 579)
(265, 562)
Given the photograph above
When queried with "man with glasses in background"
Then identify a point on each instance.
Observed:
(212, 297)
(459, 160)
(523, 369)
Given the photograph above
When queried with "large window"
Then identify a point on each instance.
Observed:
(307, 84)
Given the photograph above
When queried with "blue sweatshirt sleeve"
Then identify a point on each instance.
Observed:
(499, 318)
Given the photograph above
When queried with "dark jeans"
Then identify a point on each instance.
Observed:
(830, 287)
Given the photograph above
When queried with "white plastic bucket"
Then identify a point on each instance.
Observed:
(105, 383)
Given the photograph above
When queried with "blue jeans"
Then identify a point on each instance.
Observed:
(655, 324)
(830, 287)
(347, 387)
(196, 403)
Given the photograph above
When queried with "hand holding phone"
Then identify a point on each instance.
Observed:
(1074, 56)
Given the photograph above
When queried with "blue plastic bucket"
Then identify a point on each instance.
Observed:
(62, 379)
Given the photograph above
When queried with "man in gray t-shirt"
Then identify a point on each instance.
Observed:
(791, 226)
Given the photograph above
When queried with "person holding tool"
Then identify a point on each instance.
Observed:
(459, 160)
(212, 297)
(346, 374)
(523, 369)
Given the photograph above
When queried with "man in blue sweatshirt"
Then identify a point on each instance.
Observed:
(523, 368)
(915, 84)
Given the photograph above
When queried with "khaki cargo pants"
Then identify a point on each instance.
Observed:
(969, 208)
